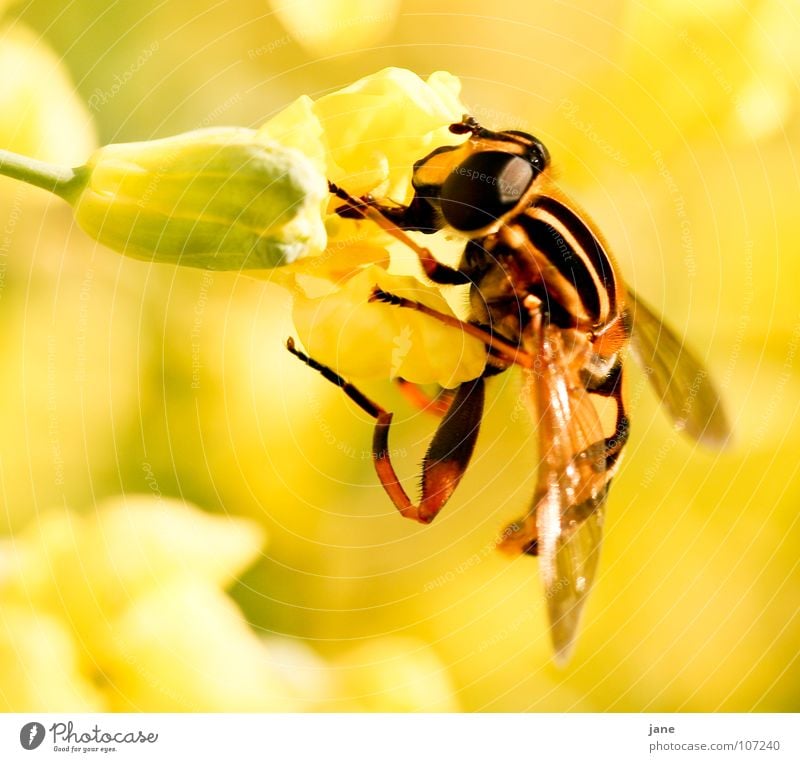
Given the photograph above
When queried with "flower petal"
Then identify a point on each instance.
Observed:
(187, 648)
(86, 570)
(39, 670)
(371, 132)
(376, 128)
(395, 674)
(372, 340)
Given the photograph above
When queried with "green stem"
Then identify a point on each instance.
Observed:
(62, 181)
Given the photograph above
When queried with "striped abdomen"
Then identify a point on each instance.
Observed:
(575, 269)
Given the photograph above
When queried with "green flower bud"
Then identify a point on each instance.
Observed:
(217, 198)
(223, 199)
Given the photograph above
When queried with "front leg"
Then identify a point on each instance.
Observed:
(448, 455)
(399, 214)
(418, 215)
(395, 220)
(437, 404)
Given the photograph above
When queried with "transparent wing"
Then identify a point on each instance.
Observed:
(571, 490)
(680, 380)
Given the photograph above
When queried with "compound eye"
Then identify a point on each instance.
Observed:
(483, 188)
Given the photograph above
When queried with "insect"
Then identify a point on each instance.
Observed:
(545, 295)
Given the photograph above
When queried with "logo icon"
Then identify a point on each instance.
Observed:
(31, 735)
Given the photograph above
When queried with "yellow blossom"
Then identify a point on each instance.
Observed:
(367, 137)
(369, 134)
(343, 329)
(394, 674)
(383, 674)
(130, 601)
(232, 198)
(185, 647)
(125, 610)
(39, 664)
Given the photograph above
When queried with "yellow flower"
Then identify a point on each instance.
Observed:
(125, 609)
(342, 329)
(366, 137)
(385, 674)
(232, 198)
(185, 646)
(394, 674)
(40, 665)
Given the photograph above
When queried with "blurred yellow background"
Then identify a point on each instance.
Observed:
(676, 124)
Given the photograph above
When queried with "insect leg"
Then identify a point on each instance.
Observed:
(451, 448)
(437, 405)
(615, 444)
(447, 457)
(497, 344)
(611, 387)
(382, 216)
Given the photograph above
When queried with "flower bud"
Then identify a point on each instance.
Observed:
(223, 199)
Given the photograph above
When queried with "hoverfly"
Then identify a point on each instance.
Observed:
(546, 295)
